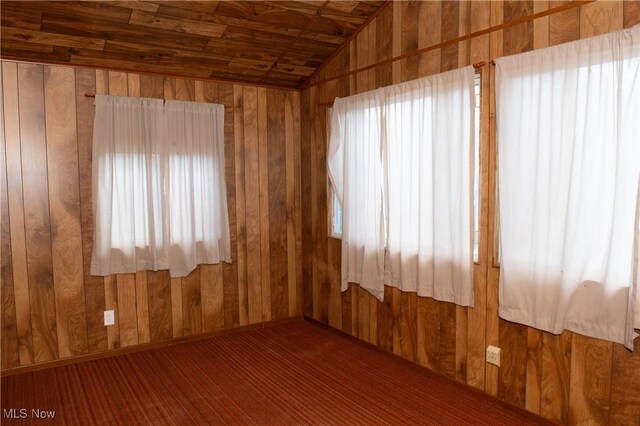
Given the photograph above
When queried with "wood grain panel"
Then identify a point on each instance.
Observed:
(252, 191)
(278, 267)
(36, 208)
(590, 380)
(10, 356)
(238, 113)
(563, 26)
(294, 225)
(16, 211)
(263, 199)
(518, 38)
(64, 210)
(159, 294)
(93, 286)
(631, 13)
(231, 275)
(449, 30)
(600, 18)
(126, 308)
(625, 386)
(513, 371)
(556, 375)
(111, 303)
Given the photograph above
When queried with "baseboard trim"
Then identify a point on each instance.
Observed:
(139, 348)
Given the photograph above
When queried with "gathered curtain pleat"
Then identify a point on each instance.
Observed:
(568, 126)
(159, 195)
(400, 160)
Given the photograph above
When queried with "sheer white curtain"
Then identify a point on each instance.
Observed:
(568, 122)
(356, 172)
(159, 194)
(400, 161)
(429, 203)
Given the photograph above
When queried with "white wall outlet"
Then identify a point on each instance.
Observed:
(493, 355)
(109, 317)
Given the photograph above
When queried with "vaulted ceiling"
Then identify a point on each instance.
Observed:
(278, 43)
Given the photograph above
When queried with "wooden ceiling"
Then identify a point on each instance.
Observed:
(278, 43)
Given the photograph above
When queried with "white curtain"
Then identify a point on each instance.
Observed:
(568, 122)
(400, 161)
(159, 196)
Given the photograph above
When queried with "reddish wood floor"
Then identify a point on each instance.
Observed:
(291, 373)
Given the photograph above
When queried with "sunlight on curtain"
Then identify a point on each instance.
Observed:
(400, 158)
(568, 121)
(158, 186)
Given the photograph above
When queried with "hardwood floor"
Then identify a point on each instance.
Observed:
(291, 373)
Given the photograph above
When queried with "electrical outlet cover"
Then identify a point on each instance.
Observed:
(109, 317)
(493, 355)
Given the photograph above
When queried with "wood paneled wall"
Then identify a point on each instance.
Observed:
(568, 378)
(52, 308)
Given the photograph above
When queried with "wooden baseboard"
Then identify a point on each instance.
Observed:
(138, 348)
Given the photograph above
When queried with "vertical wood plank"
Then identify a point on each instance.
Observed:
(513, 370)
(277, 204)
(238, 111)
(563, 26)
(409, 38)
(363, 314)
(10, 356)
(625, 385)
(177, 318)
(295, 293)
(534, 370)
(449, 31)
(396, 46)
(263, 198)
(430, 18)
(409, 322)
(252, 202)
(192, 303)
(600, 18)
(36, 208)
(159, 295)
(64, 210)
(15, 204)
(590, 384)
(518, 38)
(384, 46)
(556, 374)
(142, 307)
(93, 286)
(127, 314)
(231, 277)
(631, 13)
(289, 133)
(111, 303)
(306, 186)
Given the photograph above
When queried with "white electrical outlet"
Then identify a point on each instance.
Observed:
(493, 355)
(109, 317)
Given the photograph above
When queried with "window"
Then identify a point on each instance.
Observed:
(569, 160)
(476, 170)
(158, 184)
(335, 209)
(400, 159)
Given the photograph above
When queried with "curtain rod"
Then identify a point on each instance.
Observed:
(478, 66)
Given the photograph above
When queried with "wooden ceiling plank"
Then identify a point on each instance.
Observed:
(147, 6)
(103, 11)
(40, 38)
(262, 12)
(343, 6)
(175, 54)
(198, 6)
(19, 18)
(294, 69)
(250, 63)
(123, 32)
(151, 20)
